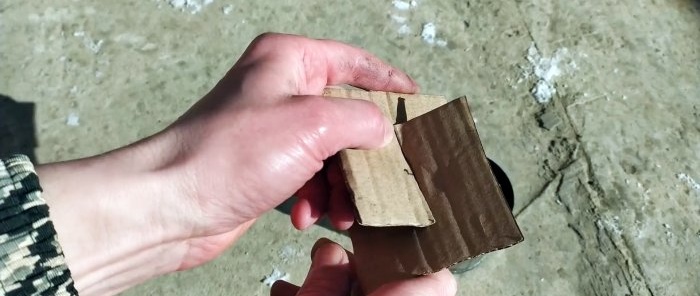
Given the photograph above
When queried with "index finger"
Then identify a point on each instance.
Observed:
(320, 63)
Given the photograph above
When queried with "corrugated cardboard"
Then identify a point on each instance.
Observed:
(471, 216)
(376, 193)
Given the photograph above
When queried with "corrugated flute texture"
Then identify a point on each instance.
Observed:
(472, 218)
(451, 168)
(388, 196)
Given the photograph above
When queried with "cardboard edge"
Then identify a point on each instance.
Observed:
(386, 98)
(490, 172)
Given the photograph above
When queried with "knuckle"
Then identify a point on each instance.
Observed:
(266, 37)
(318, 112)
(266, 42)
(375, 117)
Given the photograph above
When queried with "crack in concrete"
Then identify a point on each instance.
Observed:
(539, 194)
(618, 241)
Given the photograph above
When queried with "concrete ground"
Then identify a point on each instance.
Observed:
(605, 166)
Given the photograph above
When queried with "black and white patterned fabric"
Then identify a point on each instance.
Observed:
(31, 260)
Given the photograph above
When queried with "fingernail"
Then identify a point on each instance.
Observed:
(388, 132)
(326, 252)
(320, 242)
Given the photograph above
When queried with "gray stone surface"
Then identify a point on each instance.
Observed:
(606, 197)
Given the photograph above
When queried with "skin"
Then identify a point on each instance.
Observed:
(179, 198)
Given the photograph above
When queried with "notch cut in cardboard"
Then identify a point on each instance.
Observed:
(390, 196)
(443, 150)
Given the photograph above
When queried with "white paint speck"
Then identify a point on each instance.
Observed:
(193, 6)
(643, 230)
(573, 65)
(610, 223)
(399, 19)
(404, 30)
(667, 230)
(429, 35)
(93, 45)
(276, 275)
(148, 47)
(689, 180)
(227, 9)
(543, 91)
(545, 69)
(404, 5)
(73, 120)
(400, 15)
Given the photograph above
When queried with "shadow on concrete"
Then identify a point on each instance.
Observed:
(504, 183)
(17, 131)
(694, 5)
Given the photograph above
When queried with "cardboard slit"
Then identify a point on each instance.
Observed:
(440, 145)
(401, 115)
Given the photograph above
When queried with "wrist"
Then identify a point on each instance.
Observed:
(120, 217)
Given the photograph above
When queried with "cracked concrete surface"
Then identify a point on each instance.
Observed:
(599, 192)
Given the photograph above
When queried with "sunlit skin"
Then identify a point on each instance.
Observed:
(179, 198)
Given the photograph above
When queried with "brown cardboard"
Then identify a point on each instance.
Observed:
(389, 196)
(471, 216)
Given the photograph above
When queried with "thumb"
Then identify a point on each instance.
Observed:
(441, 283)
(344, 123)
(330, 272)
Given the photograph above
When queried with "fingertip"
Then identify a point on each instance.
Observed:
(330, 271)
(343, 223)
(320, 242)
(441, 283)
(388, 132)
(283, 288)
(312, 202)
(301, 214)
(447, 280)
(416, 87)
(340, 209)
(413, 86)
(326, 252)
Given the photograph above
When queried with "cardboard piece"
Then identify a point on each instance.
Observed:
(471, 216)
(390, 196)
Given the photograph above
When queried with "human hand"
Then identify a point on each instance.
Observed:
(264, 131)
(179, 198)
(331, 274)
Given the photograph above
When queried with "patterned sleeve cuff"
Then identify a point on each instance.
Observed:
(32, 260)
